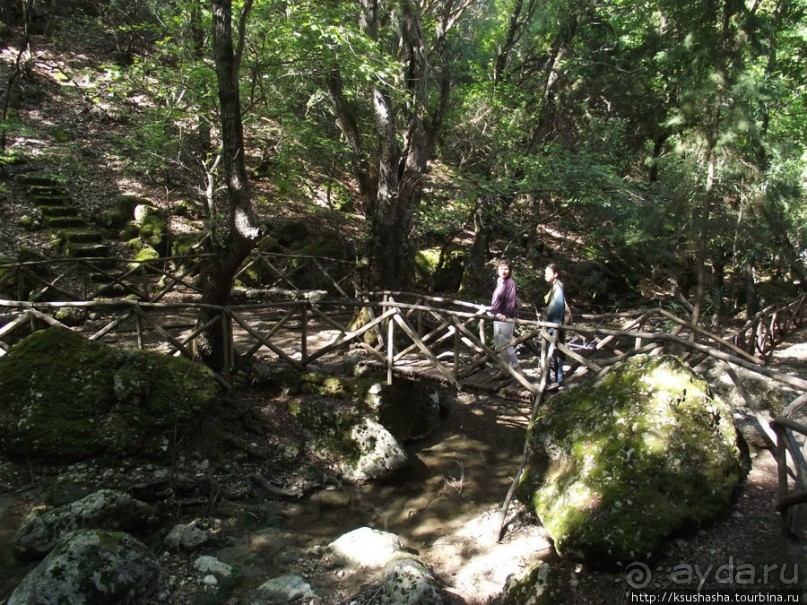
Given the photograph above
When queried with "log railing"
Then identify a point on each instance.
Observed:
(762, 333)
(434, 338)
(791, 437)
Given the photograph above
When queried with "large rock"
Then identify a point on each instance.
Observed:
(69, 398)
(352, 425)
(619, 464)
(357, 447)
(92, 567)
(104, 509)
(281, 590)
(365, 547)
(405, 579)
(407, 409)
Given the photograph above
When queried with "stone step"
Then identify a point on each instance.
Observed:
(80, 235)
(52, 200)
(58, 210)
(35, 191)
(38, 181)
(65, 222)
(79, 250)
(102, 278)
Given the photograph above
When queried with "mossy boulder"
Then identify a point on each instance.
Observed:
(407, 409)
(621, 463)
(439, 270)
(357, 447)
(291, 233)
(343, 426)
(68, 398)
(536, 584)
(93, 566)
(154, 231)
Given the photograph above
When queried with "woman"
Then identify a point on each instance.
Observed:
(554, 312)
(504, 305)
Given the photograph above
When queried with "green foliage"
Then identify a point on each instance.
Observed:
(597, 119)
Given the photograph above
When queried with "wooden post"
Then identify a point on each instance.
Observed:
(20, 284)
(304, 333)
(139, 327)
(457, 343)
(229, 346)
(781, 464)
(390, 349)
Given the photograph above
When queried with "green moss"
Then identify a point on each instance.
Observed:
(329, 427)
(147, 253)
(270, 244)
(184, 244)
(325, 244)
(636, 456)
(73, 398)
(291, 234)
(426, 260)
(113, 218)
(154, 230)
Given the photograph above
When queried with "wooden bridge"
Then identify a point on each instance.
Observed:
(307, 310)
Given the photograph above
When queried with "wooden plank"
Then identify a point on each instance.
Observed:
(332, 280)
(705, 333)
(164, 333)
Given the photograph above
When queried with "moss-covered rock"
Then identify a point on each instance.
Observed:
(343, 429)
(535, 585)
(291, 233)
(69, 398)
(92, 566)
(621, 463)
(106, 509)
(154, 231)
(407, 409)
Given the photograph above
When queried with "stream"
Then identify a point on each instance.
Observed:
(444, 505)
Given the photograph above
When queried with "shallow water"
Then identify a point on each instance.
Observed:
(443, 504)
(464, 467)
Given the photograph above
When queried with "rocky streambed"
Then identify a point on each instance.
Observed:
(225, 522)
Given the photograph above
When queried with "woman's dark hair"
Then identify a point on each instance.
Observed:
(554, 268)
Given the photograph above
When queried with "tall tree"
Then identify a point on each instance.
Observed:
(232, 226)
(408, 106)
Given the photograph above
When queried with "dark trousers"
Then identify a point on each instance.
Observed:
(556, 363)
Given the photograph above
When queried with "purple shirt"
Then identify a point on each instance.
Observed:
(504, 298)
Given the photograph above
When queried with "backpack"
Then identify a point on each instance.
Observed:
(567, 312)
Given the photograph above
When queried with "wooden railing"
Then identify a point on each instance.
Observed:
(88, 279)
(155, 303)
(430, 337)
(761, 334)
(424, 337)
(791, 436)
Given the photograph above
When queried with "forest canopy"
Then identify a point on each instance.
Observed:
(667, 137)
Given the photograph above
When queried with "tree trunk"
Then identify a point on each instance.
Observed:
(232, 228)
(475, 278)
(751, 299)
(391, 182)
